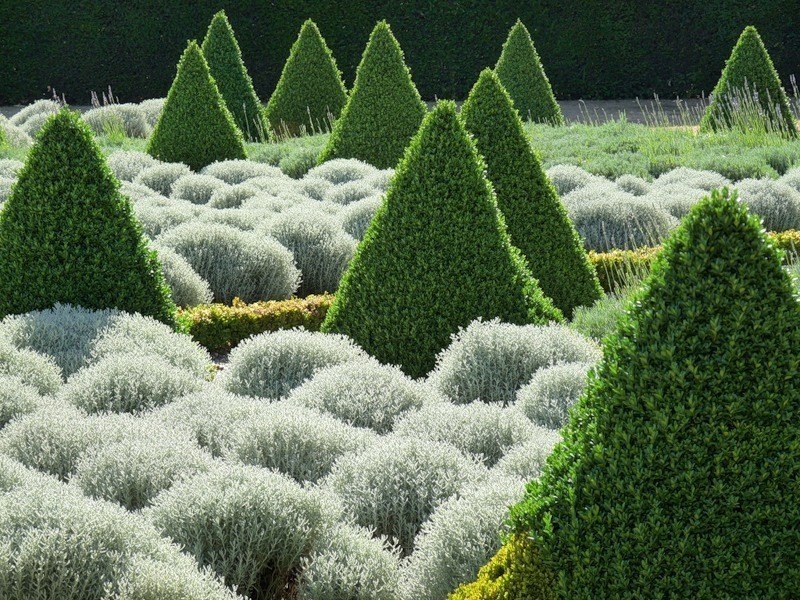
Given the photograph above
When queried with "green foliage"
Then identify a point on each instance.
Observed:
(678, 471)
(435, 257)
(67, 235)
(384, 110)
(310, 92)
(537, 220)
(521, 73)
(221, 51)
(195, 127)
(749, 91)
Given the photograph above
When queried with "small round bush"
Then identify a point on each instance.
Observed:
(362, 394)
(139, 192)
(297, 441)
(131, 471)
(40, 108)
(152, 108)
(251, 526)
(239, 171)
(527, 460)
(16, 399)
(792, 178)
(600, 319)
(358, 215)
(5, 189)
(162, 177)
(395, 484)
(10, 167)
(63, 332)
(13, 135)
(315, 188)
(157, 218)
(700, 179)
(127, 383)
(776, 203)
(147, 579)
(235, 263)
(349, 564)
(632, 184)
(33, 369)
(350, 192)
(460, 536)
(128, 119)
(243, 220)
(232, 196)
(675, 198)
(551, 392)
(188, 288)
(321, 249)
(567, 178)
(272, 364)
(490, 360)
(197, 189)
(34, 124)
(298, 163)
(479, 430)
(598, 189)
(342, 170)
(127, 164)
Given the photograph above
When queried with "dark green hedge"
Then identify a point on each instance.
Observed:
(609, 49)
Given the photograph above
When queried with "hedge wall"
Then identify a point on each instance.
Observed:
(591, 50)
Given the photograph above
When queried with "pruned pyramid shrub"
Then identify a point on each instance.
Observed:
(521, 73)
(310, 92)
(68, 236)
(435, 257)
(384, 109)
(678, 472)
(536, 219)
(195, 127)
(224, 58)
(749, 92)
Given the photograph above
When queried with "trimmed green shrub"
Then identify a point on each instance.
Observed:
(384, 109)
(310, 93)
(749, 92)
(435, 257)
(195, 127)
(521, 73)
(67, 235)
(678, 471)
(224, 58)
(537, 222)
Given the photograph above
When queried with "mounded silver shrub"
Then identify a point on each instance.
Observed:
(350, 564)
(598, 189)
(459, 538)
(43, 108)
(16, 399)
(34, 124)
(5, 189)
(362, 394)
(675, 198)
(380, 179)
(188, 288)
(162, 177)
(237, 171)
(64, 332)
(268, 202)
(297, 441)
(277, 185)
(352, 191)
(632, 184)
(358, 215)
(315, 188)
(235, 263)
(342, 170)
(197, 189)
(272, 364)
(551, 392)
(321, 249)
(243, 220)
(37, 370)
(9, 167)
(156, 218)
(15, 136)
(129, 119)
(232, 196)
(703, 180)
(490, 360)
(792, 178)
(253, 527)
(527, 460)
(566, 178)
(775, 202)
(482, 431)
(152, 108)
(130, 382)
(127, 164)
(394, 485)
(138, 192)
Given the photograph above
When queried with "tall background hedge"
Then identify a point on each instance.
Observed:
(590, 50)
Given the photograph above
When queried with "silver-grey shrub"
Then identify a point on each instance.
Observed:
(566, 178)
(792, 178)
(342, 170)
(14, 135)
(776, 203)
(363, 394)
(704, 180)
(232, 196)
(321, 249)
(675, 198)
(272, 364)
(243, 220)
(16, 399)
(315, 188)
(235, 263)
(39, 108)
(527, 460)
(127, 164)
(162, 177)
(551, 392)
(597, 188)
(251, 526)
(152, 108)
(33, 125)
(350, 564)
(157, 219)
(358, 215)
(490, 360)
(632, 184)
(237, 171)
(130, 383)
(197, 189)
(350, 192)
(129, 119)
(459, 538)
(5, 189)
(395, 484)
(297, 441)
(188, 288)
(37, 370)
(9, 167)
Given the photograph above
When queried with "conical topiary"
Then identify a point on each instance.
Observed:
(384, 109)
(536, 219)
(677, 477)
(521, 73)
(224, 58)
(195, 126)
(310, 92)
(435, 257)
(67, 235)
(749, 92)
